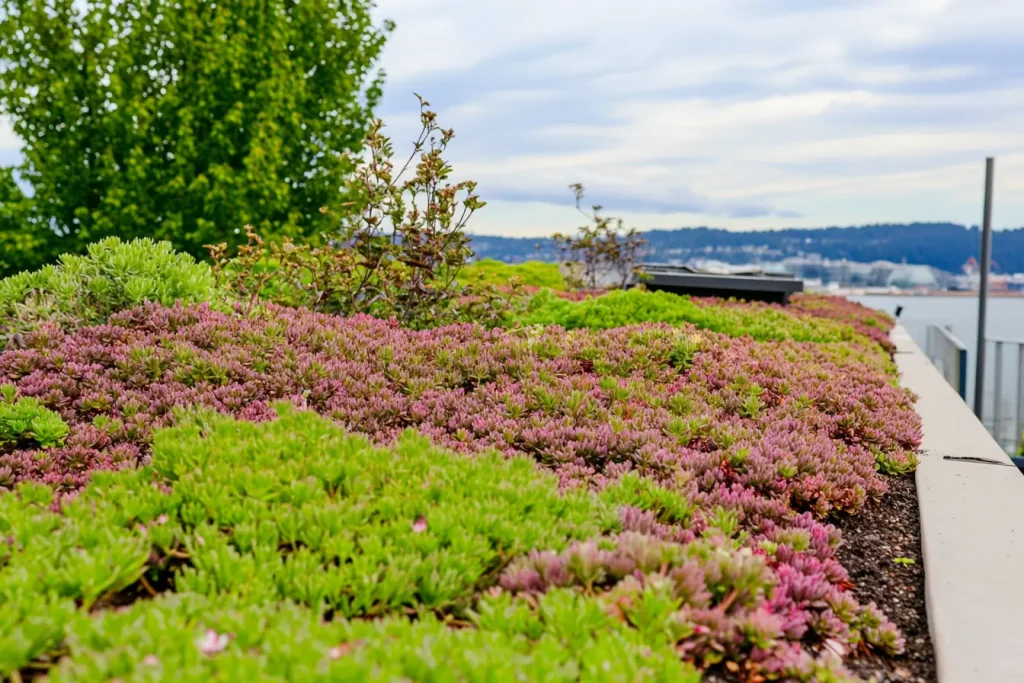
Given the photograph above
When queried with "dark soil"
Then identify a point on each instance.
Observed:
(872, 539)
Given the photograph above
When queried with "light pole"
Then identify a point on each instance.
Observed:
(986, 261)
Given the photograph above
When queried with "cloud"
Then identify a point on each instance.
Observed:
(9, 140)
(673, 201)
(734, 113)
(743, 113)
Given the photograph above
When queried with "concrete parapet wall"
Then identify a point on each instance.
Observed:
(972, 532)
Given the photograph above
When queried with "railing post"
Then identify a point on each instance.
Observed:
(962, 364)
(949, 355)
(997, 409)
(1020, 397)
(961, 367)
(986, 260)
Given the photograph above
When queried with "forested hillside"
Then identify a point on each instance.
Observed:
(944, 245)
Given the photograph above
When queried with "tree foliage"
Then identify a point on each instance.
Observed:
(184, 120)
(20, 240)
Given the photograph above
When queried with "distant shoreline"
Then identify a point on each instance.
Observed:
(960, 295)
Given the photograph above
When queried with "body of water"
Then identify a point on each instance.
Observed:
(1005, 320)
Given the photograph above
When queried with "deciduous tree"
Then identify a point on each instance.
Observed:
(184, 120)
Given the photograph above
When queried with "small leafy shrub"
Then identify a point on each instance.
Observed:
(24, 422)
(602, 248)
(621, 308)
(399, 251)
(87, 289)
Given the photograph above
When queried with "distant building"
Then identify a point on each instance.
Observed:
(913, 277)
(839, 274)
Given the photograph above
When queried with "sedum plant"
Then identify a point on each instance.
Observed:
(867, 321)
(263, 550)
(621, 308)
(85, 290)
(705, 468)
(194, 638)
(25, 422)
(722, 457)
(262, 530)
(589, 403)
(500, 274)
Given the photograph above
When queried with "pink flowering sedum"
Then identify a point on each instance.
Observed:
(724, 456)
(787, 421)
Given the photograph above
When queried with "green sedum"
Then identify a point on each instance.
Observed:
(112, 276)
(25, 422)
(499, 273)
(248, 534)
(630, 307)
(568, 637)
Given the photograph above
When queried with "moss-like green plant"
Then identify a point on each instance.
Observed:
(500, 274)
(292, 510)
(87, 289)
(622, 308)
(25, 422)
(567, 638)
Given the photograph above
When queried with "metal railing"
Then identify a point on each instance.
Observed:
(1003, 405)
(1007, 394)
(949, 355)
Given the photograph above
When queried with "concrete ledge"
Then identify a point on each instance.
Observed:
(972, 532)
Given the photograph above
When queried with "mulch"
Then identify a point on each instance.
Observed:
(877, 542)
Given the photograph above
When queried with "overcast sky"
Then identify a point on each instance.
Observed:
(729, 113)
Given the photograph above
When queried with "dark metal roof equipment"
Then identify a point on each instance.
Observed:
(751, 285)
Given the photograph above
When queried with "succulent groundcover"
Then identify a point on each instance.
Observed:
(190, 494)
